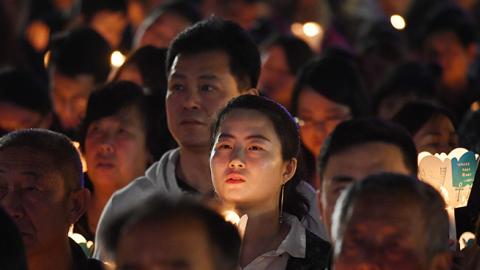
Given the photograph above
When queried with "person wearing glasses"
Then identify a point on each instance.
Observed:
(327, 92)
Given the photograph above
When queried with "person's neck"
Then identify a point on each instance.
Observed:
(194, 169)
(59, 257)
(263, 233)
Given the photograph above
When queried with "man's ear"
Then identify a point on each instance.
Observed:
(252, 91)
(442, 261)
(78, 202)
(289, 171)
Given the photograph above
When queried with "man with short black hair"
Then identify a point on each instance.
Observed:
(207, 65)
(24, 101)
(391, 221)
(168, 233)
(356, 149)
(79, 62)
(41, 188)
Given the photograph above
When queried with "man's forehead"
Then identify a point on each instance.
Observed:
(365, 159)
(386, 206)
(201, 61)
(21, 159)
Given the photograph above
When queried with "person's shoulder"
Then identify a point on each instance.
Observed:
(154, 180)
(306, 189)
(318, 251)
(317, 255)
(80, 260)
(94, 264)
(136, 188)
(316, 245)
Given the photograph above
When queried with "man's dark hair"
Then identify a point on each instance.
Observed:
(368, 130)
(414, 115)
(222, 235)
(449, 17)
(22, 89)
(215, 34)
(91, 7)
(122, 95)
(81, 51)
(335, 77)
(296, 51)
(408, 79)
(388, 188)
(287, 131)
(56, 148)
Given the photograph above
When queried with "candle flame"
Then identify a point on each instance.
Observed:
(117, 59)
(397, 22)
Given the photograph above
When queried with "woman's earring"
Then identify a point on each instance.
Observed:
(280, 217)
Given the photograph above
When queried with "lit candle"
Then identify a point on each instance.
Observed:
(117, 59)
(398, 22)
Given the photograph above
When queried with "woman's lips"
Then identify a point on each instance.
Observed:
(234, 181)
(235, 178)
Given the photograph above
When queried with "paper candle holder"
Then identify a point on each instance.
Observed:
(452, 175)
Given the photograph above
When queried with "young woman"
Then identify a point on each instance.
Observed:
(327, 92)
(254, 170)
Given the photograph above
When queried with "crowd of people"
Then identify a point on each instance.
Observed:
(223, 107)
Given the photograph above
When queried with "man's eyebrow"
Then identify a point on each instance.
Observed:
(209, 77)
(250, 137)
(342, 179)
(258, 136)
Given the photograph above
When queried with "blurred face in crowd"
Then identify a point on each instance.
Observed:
(446, 50)
(115, 148)
(391, 7)
(15, 117)
(246, 161)
(354, 164)
(110, 25)
(130, 73)
(199, 85)
(318, 116)
(276, 80)
(436, 136)
(164, 30)
(180, 243)
(35, 195)
(382, 235)
(70, 97)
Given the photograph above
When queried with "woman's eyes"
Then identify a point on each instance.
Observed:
(255, 148)
(223, 146)
(249, 148)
